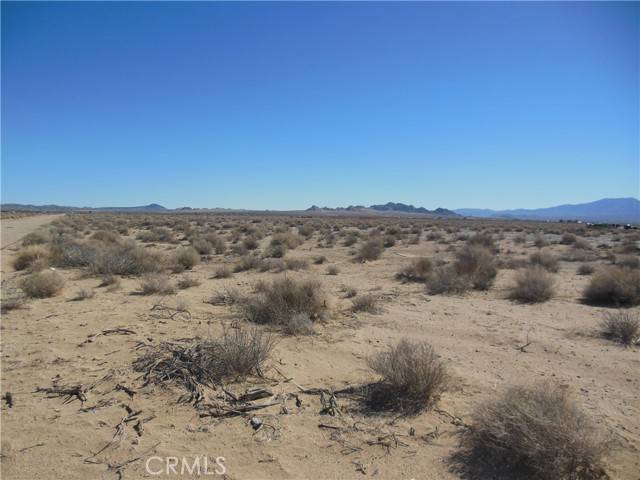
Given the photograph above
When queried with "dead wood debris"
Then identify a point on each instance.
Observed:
(110, 331)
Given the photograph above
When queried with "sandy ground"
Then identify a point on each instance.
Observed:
(14, 229)
(477, 334)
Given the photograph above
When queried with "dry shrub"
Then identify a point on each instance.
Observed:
(248, 262)
(83, 294)
(417, 271)
(319, 260)
(581, 244)
(278, 250)
(121, 259)
(483, 239)
(370, 250)
(446, 280)
(532, 433)
(157, 234)
(250, 243)
(33, 257)
(289, 240)
(156, 285)
(306, 231)
(532, 285)
(36, 238)
(277, 302)
(222, 272)
(106, 236)
(412, 374)
(218, 244)
(539, 241)
(201, 245)
(622, 327)
(11, 300)
(42, 284)
(628, 261)
(185, 258)
(333, 270)
(545, 260)
(586, 269)
(568, 239)
(616, 286)
(298, 324)
(188, 282)
(478, 263)
(195, 362)
(65, 253)
(295, 264)
(366, 303)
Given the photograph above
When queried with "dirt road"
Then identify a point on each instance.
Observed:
(14, 229)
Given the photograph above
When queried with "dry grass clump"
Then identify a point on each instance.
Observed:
(38, 237)
(277, 250)
(366, 303)
(319, 260)
(567, 239)
(11, 299)
(532, 285)
(188, 282)
(288, 239)
(106, 236)
(295, 264)
(157, 234)
(484, 239)
(545, 260)
(333, 270)
(185, 258)
(83, 294)
(412, 375)
(42, 284)
(33, 257)
(628, 261)
(156, 285)
(197, 362)
(370, 250)
(532, 433)
(417, 271)
(121, 259)
(586, 269)
(248, 262)
(616, 286)
(201, 245)
(222, 272)
(622, 327)
(251, 243)
(446, 280)
(278, 302)
(539, 241)
(477, 262)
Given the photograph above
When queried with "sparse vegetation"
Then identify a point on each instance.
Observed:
(622, 327)
(446, 280)
(617, 286)
(156, 285)
(477, 263)
(532, 433)
(370, 250)
(411, 373)
(277, 302)
(33, 257)
(545, 260)
(532, 285)
(417, 271)
(42, 284)
(366, 303)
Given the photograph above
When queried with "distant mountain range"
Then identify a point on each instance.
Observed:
(153, 207)
(617, 210)
(386, 209)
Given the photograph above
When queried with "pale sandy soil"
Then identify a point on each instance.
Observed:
(14, 229)
(477, 334)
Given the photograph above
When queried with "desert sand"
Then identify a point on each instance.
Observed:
(487, 341)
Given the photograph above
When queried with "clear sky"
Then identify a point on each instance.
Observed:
(284, 105)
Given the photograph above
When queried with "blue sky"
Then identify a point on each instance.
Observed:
(284, 105)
